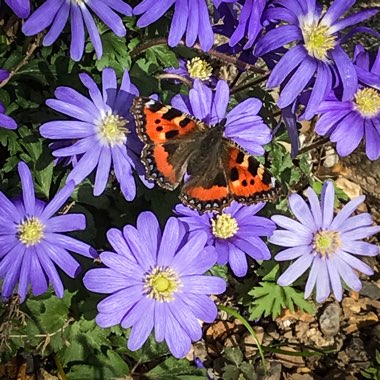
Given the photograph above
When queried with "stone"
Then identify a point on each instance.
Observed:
(275, 370)
(331, 157)
(232, 341)
(298, 376)
(329, 320)
(316, 338)
(290, 361)
(220, 330)
(371, 290)
(249, 342)
(271, 331)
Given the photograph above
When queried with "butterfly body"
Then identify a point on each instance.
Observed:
(214, 170)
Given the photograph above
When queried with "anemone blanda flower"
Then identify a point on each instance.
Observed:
(195, 68)
(316, 51)
(32, 240)
(234, 233)
(190, 17)
(102, 131)
(5, 120)
(55, 13)
(349, 122)
(155, 281)
(249, 25)
(242, 124)
(20, 7)
(325, 243)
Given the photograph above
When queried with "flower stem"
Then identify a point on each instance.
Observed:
(255, 82)
(32, 47)
(60, 369)
(186, 81)
(235, 314)
(317, 144)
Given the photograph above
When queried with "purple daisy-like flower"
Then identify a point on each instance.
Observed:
(349, 122)
(195, 68)
(242, 124)
(235, 233)
(190, 17)
(249, 25)
(325, 243)
(20, 7)
(5, 120)
(33, 243)
(316, 52)
(156, 282)
(55, 13)
(102, 132)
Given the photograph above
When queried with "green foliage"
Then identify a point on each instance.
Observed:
(237, 369)
(373, 372)
(269, 299)
(65, 329)
(174, 369)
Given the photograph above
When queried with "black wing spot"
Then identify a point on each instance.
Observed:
(171, 114)
(157, 121)
(171, 134)
(220, 180)
(240, 158)
(159, 129)
(244, 183)
(253, 165)
(234, 174)
(252, 182)
(184, 122)
(154, 107)
(267, 177)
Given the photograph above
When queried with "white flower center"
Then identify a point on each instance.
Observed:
(78, 2)
(317, 40)
(30, 231)
(161, 284)
(224, 226)
(112, 130)
(199, 69)
(326, 242)
(367, 102)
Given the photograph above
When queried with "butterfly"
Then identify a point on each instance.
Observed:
(214, 170)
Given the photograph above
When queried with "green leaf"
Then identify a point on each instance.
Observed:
(48, 312)
(270, 299)
(162, 54)
(85, 340)
(231, 372)
(234, 355)
(102, 366)
(174, 369)
(248, 371)
(151, 350)
(115, 53)
(219, 271)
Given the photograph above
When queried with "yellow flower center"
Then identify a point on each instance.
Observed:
(30, 231)
(224, 226)
(112, 130)
(199, 69)
(317, 40)
(161, 284)
(367, 102)
(326, 242)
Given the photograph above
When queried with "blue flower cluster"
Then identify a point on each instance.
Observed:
(163, 273)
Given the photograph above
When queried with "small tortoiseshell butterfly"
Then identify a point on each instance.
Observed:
(216, 170)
